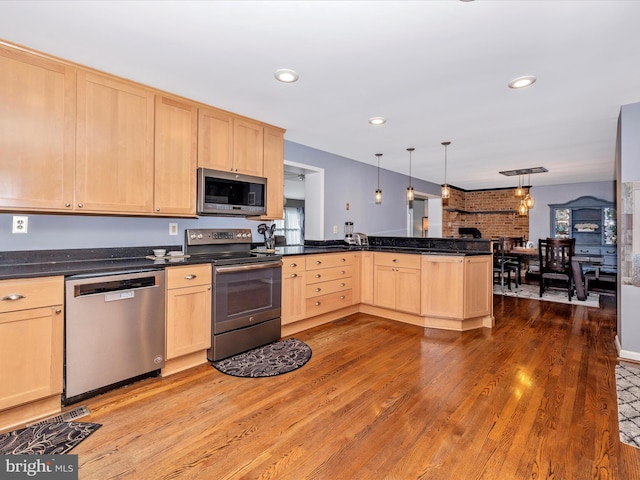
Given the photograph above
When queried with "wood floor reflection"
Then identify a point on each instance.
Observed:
(533, 398)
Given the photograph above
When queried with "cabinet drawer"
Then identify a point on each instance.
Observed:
(314, 262)
(327, 274)
(328, 303)
(397, 260)
(587, 250)
(26, 293)
(188, 276)
(324, 288)
(609, 251)
(292, 265)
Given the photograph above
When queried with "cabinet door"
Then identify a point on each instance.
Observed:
(37, 132)
(384, 291)
(561, 223)
(215, 139)
(30, 355)
(366, 278)
(188, 320)
(439, 299)
(408, 290)
(176, 138)
(248, 147)
(293, 297)
(273, 169)
(478, 286)
(114, 148)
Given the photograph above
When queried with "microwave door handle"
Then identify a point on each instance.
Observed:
(250, 266)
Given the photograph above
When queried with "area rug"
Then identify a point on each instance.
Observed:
(533, 292)
(628, 390)
(273, 359)
(46, 438)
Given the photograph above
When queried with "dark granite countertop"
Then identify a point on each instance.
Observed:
(41, 263)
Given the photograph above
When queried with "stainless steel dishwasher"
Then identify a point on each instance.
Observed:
(114, 330)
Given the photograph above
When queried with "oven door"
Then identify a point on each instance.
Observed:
(245, 295)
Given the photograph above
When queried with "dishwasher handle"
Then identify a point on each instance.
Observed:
(114, 283)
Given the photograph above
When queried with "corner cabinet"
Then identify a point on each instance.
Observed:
(592, 222)
(31, 349)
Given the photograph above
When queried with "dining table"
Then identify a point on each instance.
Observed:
(525, 255)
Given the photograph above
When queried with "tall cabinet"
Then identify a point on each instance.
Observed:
(592, 222)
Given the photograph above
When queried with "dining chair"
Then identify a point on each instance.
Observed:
(502, 265)
(555, 256)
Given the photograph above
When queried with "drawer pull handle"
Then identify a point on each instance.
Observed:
(342, 297)
(67, 205)
(190, 277)
(293, 265)
(293, 275)
(318, 275)
(342, 272)
(317, 304)
(318, 262)
(342, 284)
(343, 259)
(80, 205)
(395, 260)
(58, 311)
(318, 289)
(12, 297)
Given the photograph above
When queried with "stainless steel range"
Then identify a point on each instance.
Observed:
(247, 289)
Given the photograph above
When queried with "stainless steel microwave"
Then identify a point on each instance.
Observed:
(229, 193)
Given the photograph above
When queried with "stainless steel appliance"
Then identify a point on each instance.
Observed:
(229, 193)
(247, 290)
(114, 330)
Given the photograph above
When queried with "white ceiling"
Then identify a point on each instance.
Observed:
(437, 70)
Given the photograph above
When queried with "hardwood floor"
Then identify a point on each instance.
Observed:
(533, 398)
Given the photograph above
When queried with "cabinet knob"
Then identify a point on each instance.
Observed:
(343, 259)
(318, 262)
(190, 277)
(317, 304)
(318, 289)
(68, 205)
(342, 297)
(158, 209)
(318, 275)
(58, 311)
(342, 272)
(12, 297)
(80, 205)
(395, 260)
(293, 275)
(293, 265)
(343, 285)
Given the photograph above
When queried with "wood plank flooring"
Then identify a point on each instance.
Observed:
(533, 398)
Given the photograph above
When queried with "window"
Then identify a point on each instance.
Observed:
(292, 227)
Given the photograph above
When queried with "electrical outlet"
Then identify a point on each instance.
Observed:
(173, 229)
(335, 229)
(20, 224)
(348, 206)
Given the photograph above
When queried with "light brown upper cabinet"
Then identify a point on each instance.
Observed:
(229, 143)
(274, 171)
(176, 137)
(114, 145)
(37, 131)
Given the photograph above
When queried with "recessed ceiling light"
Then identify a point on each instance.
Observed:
(377, 120)
(286, 75)
(522, 82)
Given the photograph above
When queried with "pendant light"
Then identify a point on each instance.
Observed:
(519, 191)
(522, 208)
(528, 199)
(378, 191)
(410, 195)
(446, 191)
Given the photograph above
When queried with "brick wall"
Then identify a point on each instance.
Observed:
(494, 224)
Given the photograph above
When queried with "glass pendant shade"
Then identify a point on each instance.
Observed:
(445, 192)
(528, 201)
(410, 193)
(519, 191)
(522, 209)
(378, 196)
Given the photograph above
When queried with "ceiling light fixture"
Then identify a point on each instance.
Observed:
(522, 82)
(446, 191)
(410, 194)
(519, 191)
(377, 121)
(522, 209)
(528, 199)
(378, 191)
(286, 75)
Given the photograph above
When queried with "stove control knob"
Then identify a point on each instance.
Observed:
(199, 236)
(192, 236)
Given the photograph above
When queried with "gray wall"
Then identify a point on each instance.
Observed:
(348, 181)
(629, 171)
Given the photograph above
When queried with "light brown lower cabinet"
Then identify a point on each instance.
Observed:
(293, 289)
(188, 316)
(31, 349)
(396, 283)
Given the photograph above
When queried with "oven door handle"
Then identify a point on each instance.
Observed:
(249, 266)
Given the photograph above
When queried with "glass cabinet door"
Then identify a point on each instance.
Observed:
(609, 230)
(561, 227)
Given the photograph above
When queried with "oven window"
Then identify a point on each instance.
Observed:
(246, 295)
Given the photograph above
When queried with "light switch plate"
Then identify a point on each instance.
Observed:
(173, 229)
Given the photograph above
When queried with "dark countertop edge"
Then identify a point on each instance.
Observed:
(113, 265)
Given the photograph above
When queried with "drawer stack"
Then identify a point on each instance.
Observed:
(329, 283)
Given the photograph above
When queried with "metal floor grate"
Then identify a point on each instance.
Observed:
(68, 416)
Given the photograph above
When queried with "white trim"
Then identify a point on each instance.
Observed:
(624, 354)
(618, 346)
